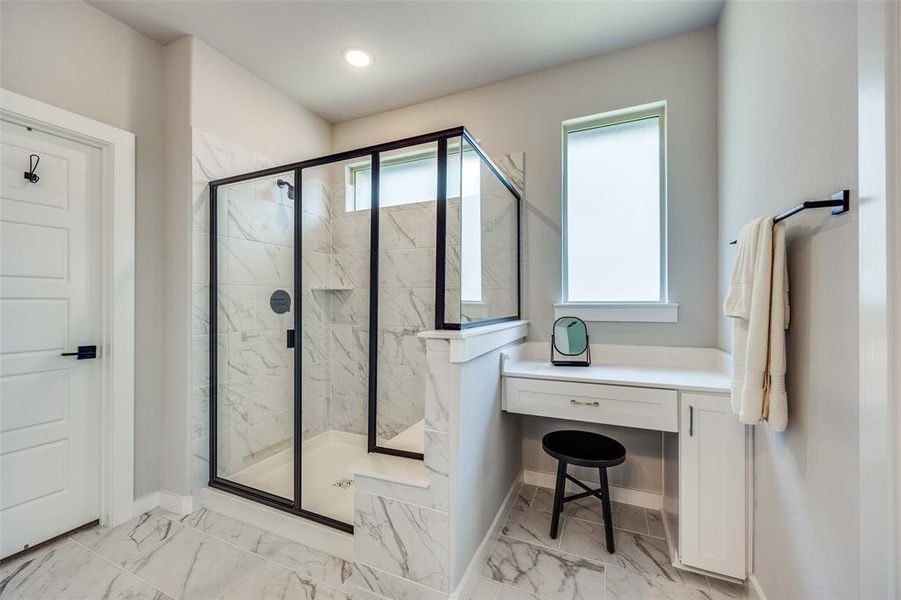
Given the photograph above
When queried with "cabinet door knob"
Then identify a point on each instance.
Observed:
(691, 420)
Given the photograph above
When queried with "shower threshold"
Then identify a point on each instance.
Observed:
(327, 470)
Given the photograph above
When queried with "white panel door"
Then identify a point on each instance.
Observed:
(712, 486)
(49, 304)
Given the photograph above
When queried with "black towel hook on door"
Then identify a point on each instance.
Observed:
(30, 174)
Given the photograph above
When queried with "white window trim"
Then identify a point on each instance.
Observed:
(661, 311)
(624, 312)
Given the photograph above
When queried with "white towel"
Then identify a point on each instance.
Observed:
(757, 300)
(775, 409)
(749, 296)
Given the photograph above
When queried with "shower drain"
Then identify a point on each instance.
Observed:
(343, 483)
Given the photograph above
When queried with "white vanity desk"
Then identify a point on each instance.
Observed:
(681, 391)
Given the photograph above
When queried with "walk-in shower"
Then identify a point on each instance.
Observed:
(322, 274)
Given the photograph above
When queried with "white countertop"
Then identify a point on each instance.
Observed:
(688, 378)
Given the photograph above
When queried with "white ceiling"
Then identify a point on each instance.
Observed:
(422, 50)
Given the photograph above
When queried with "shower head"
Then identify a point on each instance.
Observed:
(282, 183)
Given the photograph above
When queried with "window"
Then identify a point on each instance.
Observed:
(414, 178)
(614, 201)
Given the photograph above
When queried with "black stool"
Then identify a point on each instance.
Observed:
(584, 449)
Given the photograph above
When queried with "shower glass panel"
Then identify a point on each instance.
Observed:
(334, 344)
(254, 306)
(407, 203)
(482, 241)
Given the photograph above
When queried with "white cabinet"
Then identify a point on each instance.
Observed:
(712, 486)
(645, 408)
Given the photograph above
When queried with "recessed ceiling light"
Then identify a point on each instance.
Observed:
(357, 57)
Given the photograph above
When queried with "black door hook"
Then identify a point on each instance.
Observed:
(30, 174)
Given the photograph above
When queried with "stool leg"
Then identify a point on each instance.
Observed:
(558, 497)
(608, 517)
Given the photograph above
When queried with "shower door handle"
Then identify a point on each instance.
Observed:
(290, 340)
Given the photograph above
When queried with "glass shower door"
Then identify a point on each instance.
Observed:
(333, 345)
(253, 290)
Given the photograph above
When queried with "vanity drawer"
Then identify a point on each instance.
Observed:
(645, 408)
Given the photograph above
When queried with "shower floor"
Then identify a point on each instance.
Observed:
(328, 470)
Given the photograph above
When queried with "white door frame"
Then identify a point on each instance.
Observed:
(879, 248)
(116, 344)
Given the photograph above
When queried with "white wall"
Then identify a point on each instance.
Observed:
(788, 131)
(526, 114)
(71, 55)
(177, 352)
(233, 104)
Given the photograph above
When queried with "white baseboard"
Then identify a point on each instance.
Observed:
(175, 503)
(145, 503)
(474, 570)
(617, 494)
(328, 540)
(755, 585)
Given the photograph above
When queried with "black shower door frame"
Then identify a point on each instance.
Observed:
(373, 153)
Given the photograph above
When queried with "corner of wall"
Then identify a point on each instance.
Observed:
(177, 273)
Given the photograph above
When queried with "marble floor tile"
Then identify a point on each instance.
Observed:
(727, 589)
(625, 516)
(485, 589)
(623, 584)
(655, 524)
(176, 559)
(532, 526)
(526, 494)
(510, 593)
(11, 564)
(71, 571)
(274, 582)
(308, 562)
(637, 553)
(545, 572)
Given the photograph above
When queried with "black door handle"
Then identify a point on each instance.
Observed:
(84, 352)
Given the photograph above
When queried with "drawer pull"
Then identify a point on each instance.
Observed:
(575, 402)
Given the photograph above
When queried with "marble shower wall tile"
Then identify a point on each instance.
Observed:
(245, 262)
(409, 268)
(350, 307)
(257, 220)
(401, 346)
(437, 388)
(514, 167)
(407, 307)
(403, 539)
(349, 412)
(401, 398)
(215, 158)
(406, 229)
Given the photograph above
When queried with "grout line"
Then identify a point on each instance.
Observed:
(606, 571)
(497, 592)
(120, 568)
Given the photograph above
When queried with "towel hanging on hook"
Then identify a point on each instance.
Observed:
(30, 174)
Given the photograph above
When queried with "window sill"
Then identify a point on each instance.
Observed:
(629, 312)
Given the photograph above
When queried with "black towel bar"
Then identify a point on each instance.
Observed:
(840, 203)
